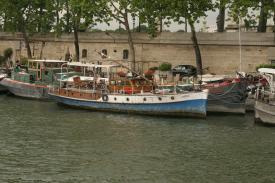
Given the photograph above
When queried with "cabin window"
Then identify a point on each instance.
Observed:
(125, 54)
(84, 53)
(105, 53)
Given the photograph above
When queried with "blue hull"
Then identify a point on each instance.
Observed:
(190, 108)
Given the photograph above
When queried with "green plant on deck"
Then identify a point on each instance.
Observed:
(154, 68)
(24, 61)
(2, 60)
(8, 53)
(165, 67)
(272, 66)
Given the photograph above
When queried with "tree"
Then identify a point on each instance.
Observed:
(247, 10)
(79, 16)
(221, 5)
(120, 10)
(8, 53)
(154, 13)
(191, 11)
(26, 17)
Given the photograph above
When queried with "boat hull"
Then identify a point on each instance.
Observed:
(3, 89)
(228, 99)
(26, 90)
(195, 107)
(264, 113)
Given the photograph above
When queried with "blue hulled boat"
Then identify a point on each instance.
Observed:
(98, 95)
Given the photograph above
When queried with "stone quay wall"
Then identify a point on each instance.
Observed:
(220, 51)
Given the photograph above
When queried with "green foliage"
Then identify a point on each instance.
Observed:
(165, 66)
(24, 61)
(154, 13)
(248, 11)
(120, 30)
(153, 68)
(96, 30)
(8, 53)
(142, 28)
(272, 66)
(2, 60)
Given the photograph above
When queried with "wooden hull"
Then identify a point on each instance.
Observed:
(190, 105)
(25, 90)
(264, 113)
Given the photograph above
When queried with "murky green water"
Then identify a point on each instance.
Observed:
(44, 142)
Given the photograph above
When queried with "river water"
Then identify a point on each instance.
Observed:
(44, 142)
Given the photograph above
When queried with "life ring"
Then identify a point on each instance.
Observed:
(105, 98)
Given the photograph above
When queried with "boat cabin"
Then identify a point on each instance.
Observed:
(37, 71)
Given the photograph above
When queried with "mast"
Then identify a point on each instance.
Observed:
(240, 45)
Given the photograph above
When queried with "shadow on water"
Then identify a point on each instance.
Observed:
(50, 108)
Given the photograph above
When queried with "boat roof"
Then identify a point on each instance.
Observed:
(267, 70)
(80, 64)
(212, 78)
(49, 61)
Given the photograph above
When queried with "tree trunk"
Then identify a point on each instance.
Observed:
(27, 43)
(221, 18)
(76, 44)
(262, 18)
(196, 48)
(185, 25)
(131, 45)
(160, 24)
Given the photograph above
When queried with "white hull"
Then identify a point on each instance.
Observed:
(264, 113)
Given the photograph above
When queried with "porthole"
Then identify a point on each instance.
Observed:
(128, 99)
(172, 98)
(115, 98)
(144, 99)
(160, 98)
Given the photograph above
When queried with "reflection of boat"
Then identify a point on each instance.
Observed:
(32, 81)
(226, 95)
(265, 98)
(101, 95)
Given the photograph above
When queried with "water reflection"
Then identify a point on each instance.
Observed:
(45, 142)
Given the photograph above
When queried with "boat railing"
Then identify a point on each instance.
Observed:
(265, 95)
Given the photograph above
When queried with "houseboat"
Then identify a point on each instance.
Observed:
(265, 98)
(32, 80)
(100, 93)
(226, 94)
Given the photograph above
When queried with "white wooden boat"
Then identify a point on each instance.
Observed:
(265, 98)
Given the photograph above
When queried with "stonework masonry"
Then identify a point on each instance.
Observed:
(220, 51)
